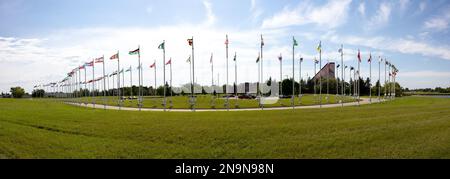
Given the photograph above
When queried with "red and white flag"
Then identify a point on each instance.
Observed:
(99, 60)
(169, 62)
(153, 65)
(115, 56)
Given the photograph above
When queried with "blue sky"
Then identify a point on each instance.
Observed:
(43, 40)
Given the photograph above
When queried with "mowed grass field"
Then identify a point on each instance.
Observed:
(409, 127)
(208, 102)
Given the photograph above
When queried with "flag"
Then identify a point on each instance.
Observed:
(129, 69)
(234, 59)
(89, 64)
(226, 40)
(99, 60)
(257, 60)
(153, 65)
(161, 46)
(121, 71)
(81, 67)
(316, 61)
(319, 47)
(380, 59)
(345, 67)
(188, 60)
(370, 58)
(301, 59)
(295, 42)
(211, 60)
(169, 62)
(359, 56)
(115, 56)
(340, 50)
(190, 42)
(351, 68)
(338, 66)
(262, 41)
(134, 52)
(280, 57)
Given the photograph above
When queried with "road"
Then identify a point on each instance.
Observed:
(364, 101)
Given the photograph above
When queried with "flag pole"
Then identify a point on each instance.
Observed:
(359, 77)
(280, 58)
(328, 84)
(118, 81)
(370, 83)
(235, 81)
(93, 84)
(79, 86)
(131, 82)
(193, 74)
(139, 78)
(85, 86)
(104, 83)
(164, 73)
(342, 75)
(293, 74)
(171, 82)
(379, 77)
(226, 86)
(320, 76)
(262, 74)
(300, 80)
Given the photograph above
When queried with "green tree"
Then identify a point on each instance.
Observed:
(17, 92)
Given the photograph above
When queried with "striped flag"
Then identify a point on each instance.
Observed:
(89, 64)
(99, 60)
(115, 56)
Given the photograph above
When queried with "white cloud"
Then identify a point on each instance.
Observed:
(382, 16)
(395, 45)
(438, 23)
(330, 15)
(210, 17)
(362, 9)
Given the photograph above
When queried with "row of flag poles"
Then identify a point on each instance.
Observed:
(73, 80)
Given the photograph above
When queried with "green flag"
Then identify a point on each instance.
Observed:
(295, 42)
(161, 46)
(134, 52)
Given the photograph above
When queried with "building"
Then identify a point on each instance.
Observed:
(328, 71)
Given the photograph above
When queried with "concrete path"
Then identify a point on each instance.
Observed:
(364, 101)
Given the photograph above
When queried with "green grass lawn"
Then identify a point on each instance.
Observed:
(207, 102)
(409, 127)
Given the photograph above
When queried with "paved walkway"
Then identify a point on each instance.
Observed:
(364, 101)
